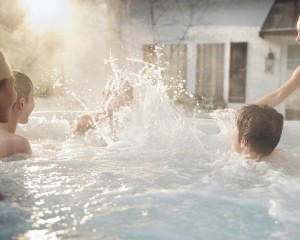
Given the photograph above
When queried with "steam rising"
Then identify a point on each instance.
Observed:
(59, 46)
(47, 13)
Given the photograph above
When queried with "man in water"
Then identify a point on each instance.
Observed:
(257, 131)
(8, 94)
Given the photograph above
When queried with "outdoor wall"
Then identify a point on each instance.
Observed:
(258, 82)
(195, 22)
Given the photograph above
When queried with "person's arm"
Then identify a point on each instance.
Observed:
(83, 123)
(276, 97)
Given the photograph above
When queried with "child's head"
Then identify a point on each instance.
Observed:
(7, 90)
(258, 130)
(24, 89)
(23, 85)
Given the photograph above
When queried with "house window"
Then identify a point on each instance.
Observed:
(237, 75)
(172, 57)
(210, 71)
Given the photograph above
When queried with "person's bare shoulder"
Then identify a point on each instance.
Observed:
(21, 145)
(12, 144)
(6, 144)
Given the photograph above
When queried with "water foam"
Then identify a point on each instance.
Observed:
(159, 177)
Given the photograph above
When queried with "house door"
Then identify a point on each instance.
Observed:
(292, 109)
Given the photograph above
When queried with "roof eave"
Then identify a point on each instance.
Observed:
(278, 32)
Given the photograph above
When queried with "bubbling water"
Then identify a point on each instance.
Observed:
(161, 176)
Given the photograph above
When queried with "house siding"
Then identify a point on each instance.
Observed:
(220, 22)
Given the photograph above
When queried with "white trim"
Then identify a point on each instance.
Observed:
(191, 68)
(226, 70)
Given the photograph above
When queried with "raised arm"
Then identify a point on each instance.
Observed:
(276, 97)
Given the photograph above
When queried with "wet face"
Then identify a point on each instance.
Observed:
(298, 32)
(27, 109)
(8, 97)
(236, 146)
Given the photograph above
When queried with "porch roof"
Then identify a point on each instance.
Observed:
(282, 19)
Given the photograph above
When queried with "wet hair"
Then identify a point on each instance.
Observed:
(260, 126)
(23, 85)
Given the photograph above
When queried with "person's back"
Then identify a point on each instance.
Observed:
(11, 143)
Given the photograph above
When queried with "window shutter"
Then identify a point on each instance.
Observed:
(238, 69)
(210, 70)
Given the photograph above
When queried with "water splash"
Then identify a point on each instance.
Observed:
(156, 157)
(225, 119)
(137, 109)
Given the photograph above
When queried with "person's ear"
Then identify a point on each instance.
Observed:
(21, 103)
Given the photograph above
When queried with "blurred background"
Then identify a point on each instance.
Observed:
(216, 53)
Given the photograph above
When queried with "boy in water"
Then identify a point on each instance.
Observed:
(11, 143)
(114, 100)
(257, 131)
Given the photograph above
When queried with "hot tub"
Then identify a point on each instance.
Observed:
(173, 184)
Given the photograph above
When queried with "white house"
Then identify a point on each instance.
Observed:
(237, 50)
(233, 50)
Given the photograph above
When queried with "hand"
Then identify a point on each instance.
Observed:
(83, 124)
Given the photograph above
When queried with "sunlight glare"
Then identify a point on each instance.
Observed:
(46, 13)
(40, 235)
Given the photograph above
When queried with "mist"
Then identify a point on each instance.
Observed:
(66, 59)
